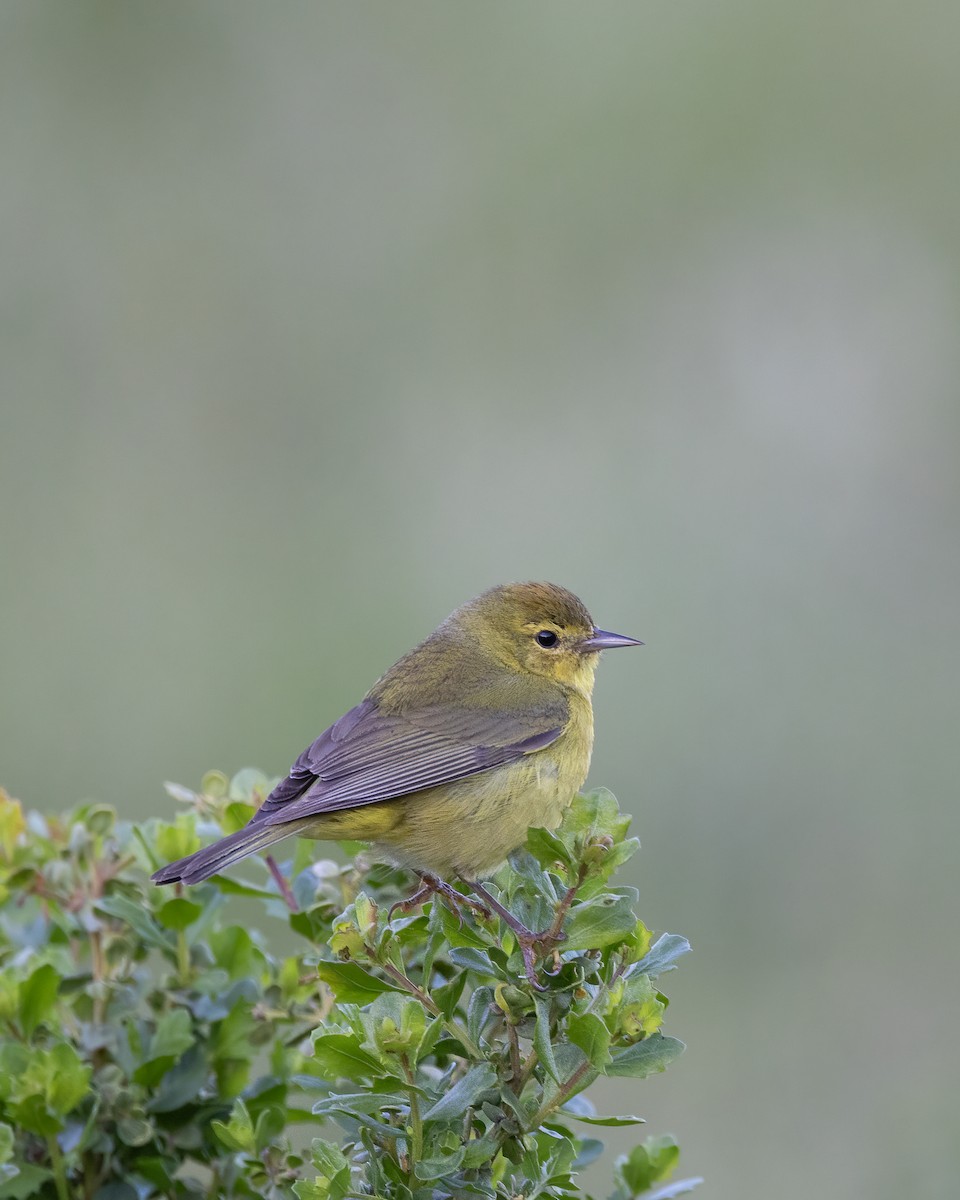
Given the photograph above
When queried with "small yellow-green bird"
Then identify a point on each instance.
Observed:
(481, 732)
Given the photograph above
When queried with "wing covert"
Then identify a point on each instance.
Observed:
(369, 755)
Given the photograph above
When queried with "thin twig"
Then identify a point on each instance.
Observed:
(526, 1071)
(515, 1067)
(416, 1121)
(564, 1093)
(281, 882)
(564, 906)
(453, 1027)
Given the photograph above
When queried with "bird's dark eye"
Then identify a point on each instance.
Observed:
(547, 638)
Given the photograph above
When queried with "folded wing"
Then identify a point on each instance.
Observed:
(369, 755)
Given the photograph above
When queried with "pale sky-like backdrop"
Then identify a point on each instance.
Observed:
(317, 320)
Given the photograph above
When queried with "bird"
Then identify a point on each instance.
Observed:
(481, 732)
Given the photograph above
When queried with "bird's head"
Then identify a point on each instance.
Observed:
(540, 628)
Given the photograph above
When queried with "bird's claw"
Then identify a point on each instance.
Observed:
(432, 886)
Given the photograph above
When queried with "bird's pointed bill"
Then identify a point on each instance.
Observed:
(601, 639)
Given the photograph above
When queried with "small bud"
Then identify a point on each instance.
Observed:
(511, 1002)
(597, 850)
(366, 911)
(346, 940)
(390, 1038)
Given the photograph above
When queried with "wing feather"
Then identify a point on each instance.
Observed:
(369, 755)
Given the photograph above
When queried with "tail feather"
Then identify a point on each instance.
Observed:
(213, 859)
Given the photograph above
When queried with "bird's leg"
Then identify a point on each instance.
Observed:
(532, 944)
(430, 886)
(458, 901)
(420, 896)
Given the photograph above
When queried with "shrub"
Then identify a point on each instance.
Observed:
(190, 1044)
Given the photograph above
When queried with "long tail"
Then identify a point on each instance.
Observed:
(213, 859)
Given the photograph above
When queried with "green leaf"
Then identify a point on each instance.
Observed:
(680, 1188)
(464, 1093)
(661, 956)
(604, 863)
(28, 1181)
(236, 815)
(178, 838)
(333, 1179)
(176, 791)
(233, 1036)
(611, 1122)
(117, 1190)
(647, 1164)
(351, 984)
(238, 1133)
(172, 1036)
(477, 961)
(457, 932)
(155, 1169)
(178, 913)
(441, 1166)
(12, 824)
(595, 814)
(329, 1159)
(587, 1031)
(236, 887)
(181, 1083)
(317, 1188)
(214, 784)
(641, 1011)
(135, 1131)
(100, 819)
(235, 950)
(570, 1060)
(353, 1104)
(356, 1107)
(542, 1040)
(70, 1079)
(15, 1059)
(653, 1054)
(270, 1125)
(536, 895)
(603, 921)
(249, 785)
(339, 1056)
(38, 994)
(480, 1150)
(33, 1113)
(447, 997)
(547, 848)
(479, 1011)
(395, 1023)
(139, 920)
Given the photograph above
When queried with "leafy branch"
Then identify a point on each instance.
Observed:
(179, 1047)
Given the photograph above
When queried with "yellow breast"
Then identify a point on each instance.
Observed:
(469, 827)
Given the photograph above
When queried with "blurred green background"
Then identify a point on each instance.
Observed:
(315, 321)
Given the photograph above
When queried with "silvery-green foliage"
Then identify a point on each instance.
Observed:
(241, 1040)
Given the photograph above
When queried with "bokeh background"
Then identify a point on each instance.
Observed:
(316, 320)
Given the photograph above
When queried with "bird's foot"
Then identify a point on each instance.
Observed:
(533, 945)
(420, 896)
(432, 886)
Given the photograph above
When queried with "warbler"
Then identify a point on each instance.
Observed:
(481, 732)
